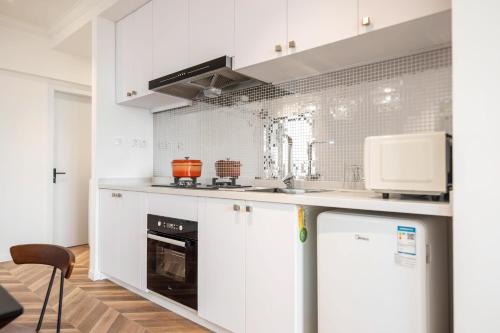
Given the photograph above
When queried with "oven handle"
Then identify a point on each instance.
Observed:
(167, 240)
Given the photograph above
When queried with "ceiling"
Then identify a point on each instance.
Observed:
(39, 13)
(46, 17)
(65, 23)
(79, 43)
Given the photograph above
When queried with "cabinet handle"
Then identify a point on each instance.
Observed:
(134, 92)
(129, 93)
(236, 208)
(278, 48)
(116, 195)
(291, 44)
(366, 20)
(248, 209)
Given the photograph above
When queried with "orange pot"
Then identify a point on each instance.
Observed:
(186, 168)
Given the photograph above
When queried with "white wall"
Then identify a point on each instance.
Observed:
(112, 122)
(476, 113)
(25, 165)
(28, 69)
(30, 53)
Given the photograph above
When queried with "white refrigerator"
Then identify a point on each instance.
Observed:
(382, 273)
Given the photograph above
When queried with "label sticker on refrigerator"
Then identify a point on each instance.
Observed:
(407, 240)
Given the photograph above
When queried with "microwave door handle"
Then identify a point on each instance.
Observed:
(167, 240)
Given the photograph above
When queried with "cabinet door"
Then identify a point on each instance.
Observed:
(383, 13)
(133, 54)
(318, 22)
(260, 25)
(271, 268)
(221, 265)
(122, 223)
(211, 30)
(170, 36)
(108, 224)
(132, 233)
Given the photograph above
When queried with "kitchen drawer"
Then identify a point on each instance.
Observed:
(176, 206)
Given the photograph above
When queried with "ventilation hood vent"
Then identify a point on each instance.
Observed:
(209, 79)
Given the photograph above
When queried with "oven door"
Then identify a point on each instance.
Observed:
(172, 268)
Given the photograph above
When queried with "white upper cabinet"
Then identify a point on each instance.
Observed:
(165, 36)
(211, 30)
(133, 54)
(299, 25)
(134, 59)
(318, 22)
(383, 13)
(170, 36)
(260, 31)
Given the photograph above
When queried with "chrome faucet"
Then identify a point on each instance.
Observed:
(289, 179)
(310, 175)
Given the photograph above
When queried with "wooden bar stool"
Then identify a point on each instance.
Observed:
(52, 255)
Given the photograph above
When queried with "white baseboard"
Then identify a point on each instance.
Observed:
(177, 308)
(96, 276)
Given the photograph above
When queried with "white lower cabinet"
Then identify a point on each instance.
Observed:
(221, 263)
(271, 268)
(122, 229)
(250, 266)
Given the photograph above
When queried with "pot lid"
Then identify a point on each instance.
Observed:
(187, 160)
(227, 160)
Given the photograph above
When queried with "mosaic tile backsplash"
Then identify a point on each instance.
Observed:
(327, 118)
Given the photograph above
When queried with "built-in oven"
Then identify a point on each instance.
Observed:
(173, 259)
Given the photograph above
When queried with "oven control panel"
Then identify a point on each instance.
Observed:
(169, 225)
(172, 226)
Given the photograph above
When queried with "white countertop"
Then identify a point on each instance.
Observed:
(361, 200)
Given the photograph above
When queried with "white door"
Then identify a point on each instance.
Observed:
(319, 22)
(72, 137)
(209, 19)
(260, 26)
(384, 13)
(221, 263)
(271, 268)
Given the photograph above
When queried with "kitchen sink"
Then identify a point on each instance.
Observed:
(284, 190)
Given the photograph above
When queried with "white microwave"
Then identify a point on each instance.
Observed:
(408, 164)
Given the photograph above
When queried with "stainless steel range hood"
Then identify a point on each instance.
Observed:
(209, 79)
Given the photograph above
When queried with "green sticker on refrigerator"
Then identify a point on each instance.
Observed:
(302, 225)
(303, 234)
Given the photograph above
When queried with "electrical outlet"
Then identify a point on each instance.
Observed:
(118, 140)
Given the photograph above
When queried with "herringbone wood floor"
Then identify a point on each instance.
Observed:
(88, 306)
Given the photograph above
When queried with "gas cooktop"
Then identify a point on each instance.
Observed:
(193, 184)
(194, 187)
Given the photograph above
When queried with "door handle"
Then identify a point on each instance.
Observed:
(55, 173)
